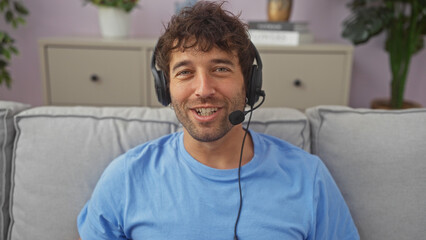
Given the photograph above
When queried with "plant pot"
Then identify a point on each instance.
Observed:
(114, 22)
(279, 10)
(385, 104)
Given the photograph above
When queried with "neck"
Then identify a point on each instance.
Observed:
(223, 153)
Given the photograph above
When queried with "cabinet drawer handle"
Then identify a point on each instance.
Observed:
(297, 83)
(94, 78)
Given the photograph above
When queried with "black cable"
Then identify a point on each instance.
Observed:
(239, 173)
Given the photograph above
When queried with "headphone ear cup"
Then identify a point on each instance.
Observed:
(253, 85)
(160, 82)
(254, 88)
(163, 94)
(258, 84)
(166, 92)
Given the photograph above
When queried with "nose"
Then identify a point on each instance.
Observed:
(204, 85)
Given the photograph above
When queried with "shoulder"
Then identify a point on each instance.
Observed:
(143, 155)
(138, 158)
(106, 209)
(129, 166)
(166, 142)
(286, 156)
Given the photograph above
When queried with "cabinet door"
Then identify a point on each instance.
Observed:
(94, 76)
(304, 79)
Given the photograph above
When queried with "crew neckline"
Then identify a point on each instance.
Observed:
(222, 174)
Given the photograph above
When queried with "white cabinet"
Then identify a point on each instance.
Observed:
(96, 71)
(306, 75)
(117, 73)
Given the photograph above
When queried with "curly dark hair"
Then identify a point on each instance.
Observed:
(204, 26)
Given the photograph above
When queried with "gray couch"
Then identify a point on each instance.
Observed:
(378, 159)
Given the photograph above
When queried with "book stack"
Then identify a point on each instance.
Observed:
(280, 33)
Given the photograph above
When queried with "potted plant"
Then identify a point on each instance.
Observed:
(114, 16)
(14, 13)
(404, 22)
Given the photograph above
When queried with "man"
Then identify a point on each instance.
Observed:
(186, 185)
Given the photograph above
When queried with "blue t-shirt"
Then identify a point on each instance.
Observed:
(158, 191)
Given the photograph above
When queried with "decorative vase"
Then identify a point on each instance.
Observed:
(279, 10)
(114, 22)
(385, 104)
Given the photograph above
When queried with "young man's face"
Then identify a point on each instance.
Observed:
(205, 87)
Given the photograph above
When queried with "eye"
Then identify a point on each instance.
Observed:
(183, 73)
(222, 69)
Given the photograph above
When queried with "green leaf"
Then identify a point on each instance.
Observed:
(6, 54)
(419, 45)
(2, 35)
(7, 39)
(365, 23)
(21, 20)
(3, 64)
(14, 50)
(2, 6)
(14, 23)
(9, 16)
(356, 4)
(8, 81)
(5, 77)
(20, 8)
(128, 6)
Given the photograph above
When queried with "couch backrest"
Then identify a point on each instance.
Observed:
(60, 152)
(285, 123)
(7, 135)
(378, 159)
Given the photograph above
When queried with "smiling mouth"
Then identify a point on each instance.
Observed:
(204, 112)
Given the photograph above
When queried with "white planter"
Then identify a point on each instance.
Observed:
(114, 22)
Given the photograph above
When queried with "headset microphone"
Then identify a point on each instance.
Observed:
(237, 117)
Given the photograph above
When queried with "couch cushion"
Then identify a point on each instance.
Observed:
(61, 152)
(7, 135)
(378, 159)
(288, 124)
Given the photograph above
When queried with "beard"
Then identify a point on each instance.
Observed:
(210, 131)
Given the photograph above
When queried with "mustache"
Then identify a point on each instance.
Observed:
(202, 101)
(209, 100)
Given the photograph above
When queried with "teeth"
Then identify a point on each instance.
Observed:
(205, 111)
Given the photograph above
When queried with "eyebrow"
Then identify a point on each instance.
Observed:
(180, 64)
(224, 61)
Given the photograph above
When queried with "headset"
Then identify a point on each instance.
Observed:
(253, 91)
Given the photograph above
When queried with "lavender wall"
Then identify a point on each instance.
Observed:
(59, 18)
